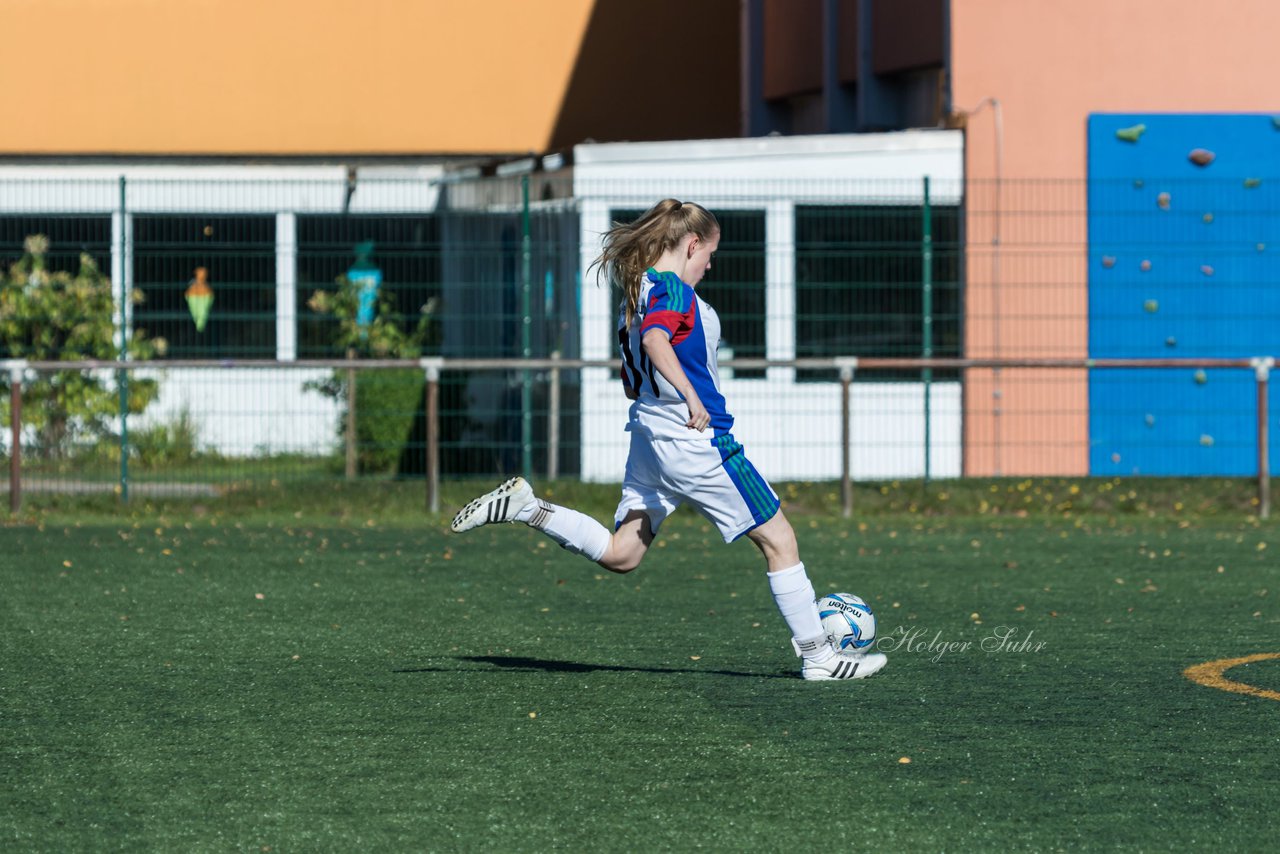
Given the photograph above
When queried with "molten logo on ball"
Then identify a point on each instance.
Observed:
(848, 621)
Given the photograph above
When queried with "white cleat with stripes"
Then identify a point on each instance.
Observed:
(500, 505)
(845, 665)
(842, 665)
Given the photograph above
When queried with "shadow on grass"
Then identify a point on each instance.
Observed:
(517, 662)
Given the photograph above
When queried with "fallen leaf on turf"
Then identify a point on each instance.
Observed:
(906, 760)
(259, 596)
(695, 658)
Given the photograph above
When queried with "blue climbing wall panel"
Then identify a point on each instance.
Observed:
(1184, 261)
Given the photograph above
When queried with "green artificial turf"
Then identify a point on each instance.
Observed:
(250, 677)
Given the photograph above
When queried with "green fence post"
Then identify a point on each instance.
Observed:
(122, 375)
(526, 351)
(926, 259)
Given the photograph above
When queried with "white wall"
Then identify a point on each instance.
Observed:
(239, 411)
(245, 412)
(157, 188)
(790, 430)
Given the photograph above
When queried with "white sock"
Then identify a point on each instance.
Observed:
(574, 531)
(794, 594)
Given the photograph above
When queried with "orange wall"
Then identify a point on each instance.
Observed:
(285, 76)
(1050, 64)
(308, 77)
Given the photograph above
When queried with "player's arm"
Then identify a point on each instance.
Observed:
(657, 346)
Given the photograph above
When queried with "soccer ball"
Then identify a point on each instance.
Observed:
(848, 620)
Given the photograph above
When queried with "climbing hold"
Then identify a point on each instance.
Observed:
(1131, 134)
(1151, 306)
(1201, 377)
(1208, 218)
(1115, 458)
(1250, 183)
(1144, 266)
(1108, 261)
(1150, 419)
(1206, 269)
(1262, 247)
(1171, 341)
(1201, 156)
(1206, 440)
(1163, 201)
(1138, 183)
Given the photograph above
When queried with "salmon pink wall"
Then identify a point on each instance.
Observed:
(1050, 64)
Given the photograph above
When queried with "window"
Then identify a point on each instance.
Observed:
(405, 248)
(734, 286)
(68, 237)
(859, 276)
(238, 254)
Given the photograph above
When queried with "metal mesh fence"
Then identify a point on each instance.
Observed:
(496, 269)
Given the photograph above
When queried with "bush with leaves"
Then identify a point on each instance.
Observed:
(386, 400)
(381, 338)
(57, 316)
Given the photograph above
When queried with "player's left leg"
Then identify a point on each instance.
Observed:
(792, 590)
(740, 501)
(776, 540)
(794, 595)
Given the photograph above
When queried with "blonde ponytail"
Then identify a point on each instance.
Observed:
(632, 248)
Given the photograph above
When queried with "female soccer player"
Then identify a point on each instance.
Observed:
(682, 450)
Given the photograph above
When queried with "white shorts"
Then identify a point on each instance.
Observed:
(713, 475)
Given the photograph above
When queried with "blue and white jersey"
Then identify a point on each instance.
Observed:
(667, 303)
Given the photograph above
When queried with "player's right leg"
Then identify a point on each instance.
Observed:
(504, 504)
(629, 543)
(642, 507)
(514, 501)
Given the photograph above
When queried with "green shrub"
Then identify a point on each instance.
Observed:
(168, 443)
(54, 316)
(386, 402)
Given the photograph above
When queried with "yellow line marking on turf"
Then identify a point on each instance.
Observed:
(1210, 675)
